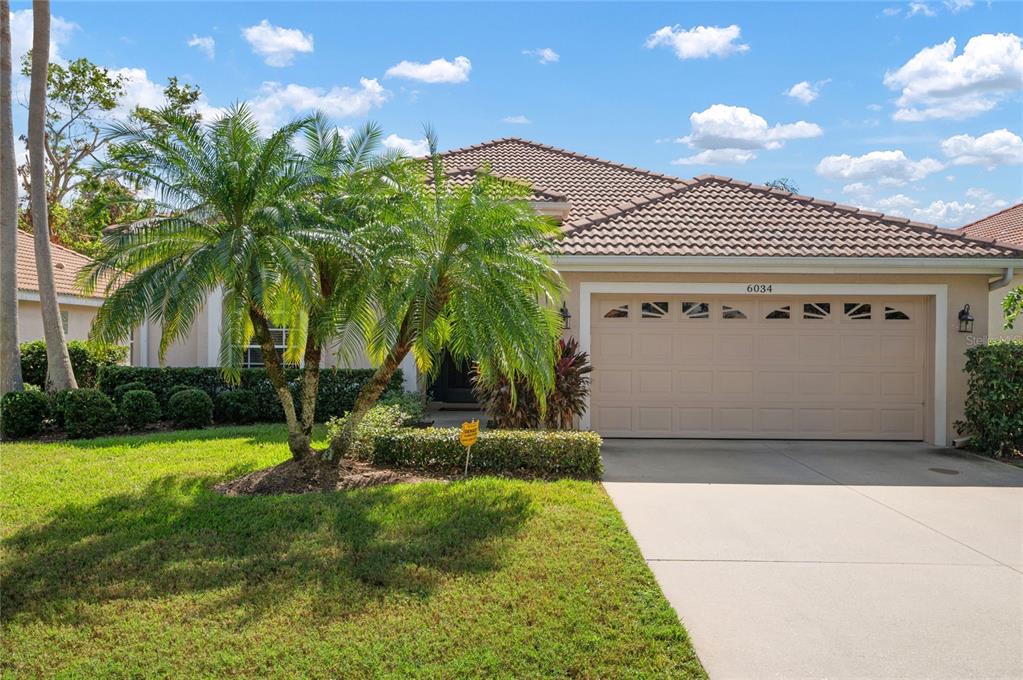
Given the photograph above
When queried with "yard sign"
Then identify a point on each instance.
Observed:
(469, 434)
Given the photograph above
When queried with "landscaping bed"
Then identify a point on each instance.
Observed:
(121, 560)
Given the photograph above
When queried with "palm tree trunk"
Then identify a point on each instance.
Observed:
(298, 444)
(59, 374)
(368, 395)
(10, 356)
(310, 387)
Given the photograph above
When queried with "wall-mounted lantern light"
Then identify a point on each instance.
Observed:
(965, 320)
(566, 316)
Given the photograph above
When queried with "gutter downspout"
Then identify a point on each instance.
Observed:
(1004, 281)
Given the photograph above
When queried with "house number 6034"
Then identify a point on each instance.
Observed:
(759, 288)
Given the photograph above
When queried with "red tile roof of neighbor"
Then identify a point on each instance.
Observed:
(622, 210)
(1005, 227)
(66, 265)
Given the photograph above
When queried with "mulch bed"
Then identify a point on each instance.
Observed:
(315, 475)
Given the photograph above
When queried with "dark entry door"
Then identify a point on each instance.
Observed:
(453, 384)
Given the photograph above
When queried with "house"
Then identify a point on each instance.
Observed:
(1004, 227)
(713, 307)
(76, 309)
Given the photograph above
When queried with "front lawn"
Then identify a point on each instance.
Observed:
(119, 561)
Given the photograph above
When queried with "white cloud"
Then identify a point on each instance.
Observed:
(516, 120)
(139, 90)
(874, 107)
(935, 83)
(919, 8)
(699, 42)
(856, 189)
(805, 91)
(21, 36)
(412, 147)
(276, 102)
(891, 11)
(278, 46)
(897, 204)
(717, 157)
(544, 55)
(956, 6)
(437, 71)
(205, 44)
(885, 167)
(999, 147)
(946, 213)
(735, 127)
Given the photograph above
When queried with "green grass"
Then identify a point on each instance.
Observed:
(119, 561)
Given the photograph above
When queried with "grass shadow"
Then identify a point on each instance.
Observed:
(177, 536)
(260, 433)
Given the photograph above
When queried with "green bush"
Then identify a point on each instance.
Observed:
(87, 359)
(57, 402)
(139, 408)
(379, 420)
(88, 413)
(336, 394)
(530, 452)
(235, 406)
(993, 415)
(190, 408)
(411, 404)
(127, 387)
(22, 413)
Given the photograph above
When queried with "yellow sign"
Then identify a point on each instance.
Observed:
(470, 433)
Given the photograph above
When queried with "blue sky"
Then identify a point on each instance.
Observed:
(864, 103)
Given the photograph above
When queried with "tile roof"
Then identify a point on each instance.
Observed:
(464, 177)
(1005, 227)
(66, 265)
(592, 185)
(622, 210)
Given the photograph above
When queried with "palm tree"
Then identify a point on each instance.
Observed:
(466, 270)
(10, 357)
(226, 222)
(59, 374)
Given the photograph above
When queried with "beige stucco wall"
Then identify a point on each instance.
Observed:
(995, 321)
(962, 289)
(30, 321)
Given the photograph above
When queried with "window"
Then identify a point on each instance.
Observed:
(696, 310)
(892, 314)
(64, 320)
(780, 313)
(252, 356)
(857, 310)
(816, 310)
(619, 312)
(654, 310)
(731, 313)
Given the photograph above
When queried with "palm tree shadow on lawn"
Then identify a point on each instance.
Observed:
(179, 537)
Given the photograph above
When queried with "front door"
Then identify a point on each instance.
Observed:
(453, 384)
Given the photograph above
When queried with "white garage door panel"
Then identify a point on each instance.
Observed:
(711, 366)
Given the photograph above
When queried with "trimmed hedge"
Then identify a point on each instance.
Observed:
(127, 387)
(337, 391)
(139, 408)
(235, 406)
(88, 413)
(536, 452)
(190, 408)
(994, 398)
(87, 359)
(22, 413)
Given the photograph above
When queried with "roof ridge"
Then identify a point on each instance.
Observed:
(985, 219)
(631, 204)
(566, 152)
(508, 178)
(58, 246)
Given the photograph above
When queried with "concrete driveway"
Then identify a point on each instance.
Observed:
(828, 559)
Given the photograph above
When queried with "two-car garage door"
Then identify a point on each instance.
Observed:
(820, 367)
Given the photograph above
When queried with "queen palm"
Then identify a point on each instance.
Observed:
(227, 221)
(463, 269)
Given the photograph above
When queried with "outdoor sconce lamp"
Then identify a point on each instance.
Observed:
(566, 316)
(965, 320)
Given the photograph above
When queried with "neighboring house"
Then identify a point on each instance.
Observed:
(1004, 228)
(718, 308)
(76, 310)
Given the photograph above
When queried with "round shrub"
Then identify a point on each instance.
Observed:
(88, 413)
(139, 408)
(57, 402)
(22, 413)
(120, 390)
(236, 406)
(190, 408)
